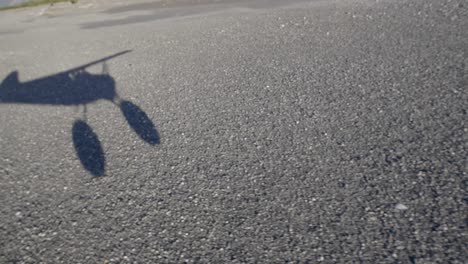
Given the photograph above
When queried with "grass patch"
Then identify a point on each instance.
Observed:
(36, 3)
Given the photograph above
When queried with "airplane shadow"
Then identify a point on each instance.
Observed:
(79, 87)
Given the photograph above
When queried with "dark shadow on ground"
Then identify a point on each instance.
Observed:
(140, 122)
(88, 148)
(79, 87)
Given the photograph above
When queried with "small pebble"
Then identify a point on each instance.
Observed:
(401, 207)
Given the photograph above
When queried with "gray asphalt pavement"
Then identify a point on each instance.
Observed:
(235, 132)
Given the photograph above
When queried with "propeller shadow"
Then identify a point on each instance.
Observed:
(79, 87)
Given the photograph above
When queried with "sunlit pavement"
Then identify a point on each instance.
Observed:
(234, 132)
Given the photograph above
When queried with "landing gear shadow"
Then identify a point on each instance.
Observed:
(88, 148)
(139, 122)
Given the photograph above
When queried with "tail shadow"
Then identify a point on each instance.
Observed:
(88, 148)
(140, 122)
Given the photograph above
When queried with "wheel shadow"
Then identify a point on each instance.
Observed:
(88, 148)
(80, 88)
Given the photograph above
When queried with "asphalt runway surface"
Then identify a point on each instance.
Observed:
(234, 132)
